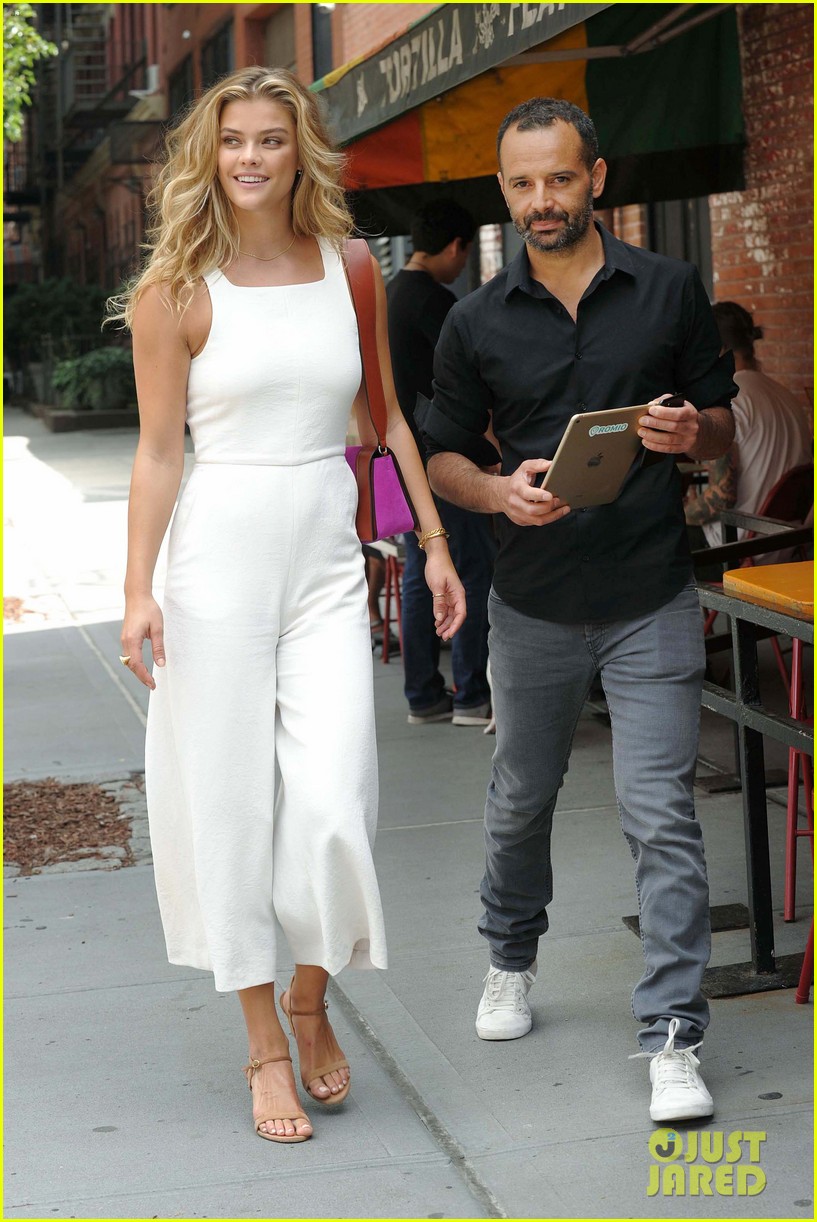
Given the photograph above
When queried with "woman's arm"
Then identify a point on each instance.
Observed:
(449, 604)
(161, 361)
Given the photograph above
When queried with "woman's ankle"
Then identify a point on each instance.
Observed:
(263, 1050)
(308, 990)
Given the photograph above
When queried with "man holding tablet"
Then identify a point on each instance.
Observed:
(581, 322)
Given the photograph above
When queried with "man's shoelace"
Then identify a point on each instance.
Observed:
(676, 1064)
(676, 1068)
(505, 987)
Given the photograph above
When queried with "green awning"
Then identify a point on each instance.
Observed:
(661, 82)
(446, 47)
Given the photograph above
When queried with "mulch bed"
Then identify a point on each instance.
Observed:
(13, 609)
(48, 821)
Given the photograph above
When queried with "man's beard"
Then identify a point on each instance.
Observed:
(574, 229)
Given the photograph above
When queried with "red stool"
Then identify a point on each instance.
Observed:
(394, 574)
(807, 970)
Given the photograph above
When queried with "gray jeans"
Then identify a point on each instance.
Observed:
(652, 669)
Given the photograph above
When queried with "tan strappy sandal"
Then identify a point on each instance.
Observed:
(272, 1114)
(309, 1072)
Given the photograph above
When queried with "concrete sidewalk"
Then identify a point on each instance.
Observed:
(124, 1097)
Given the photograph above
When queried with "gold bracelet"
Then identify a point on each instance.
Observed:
(439, 532)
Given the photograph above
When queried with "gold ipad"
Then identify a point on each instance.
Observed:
(594, 456)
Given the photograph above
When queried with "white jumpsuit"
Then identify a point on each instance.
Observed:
(260, 759)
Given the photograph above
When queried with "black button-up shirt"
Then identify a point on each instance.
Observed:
(417, 308)
(510, 355)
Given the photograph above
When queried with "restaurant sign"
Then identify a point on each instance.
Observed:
(451, 45)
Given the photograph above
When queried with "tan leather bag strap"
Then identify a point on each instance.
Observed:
(360, 275)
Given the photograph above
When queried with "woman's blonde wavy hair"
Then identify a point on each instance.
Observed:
(191, 227)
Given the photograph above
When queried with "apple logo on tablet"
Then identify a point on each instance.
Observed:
(595, 461)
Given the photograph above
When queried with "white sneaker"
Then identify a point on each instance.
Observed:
(504, 1013)
(678, 1090)
(476, 715)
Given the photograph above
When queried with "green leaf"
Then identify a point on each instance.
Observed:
(23, 47)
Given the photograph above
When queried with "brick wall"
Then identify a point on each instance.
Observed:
(303, 43)
(358, 28)
(200, 22)
(762, 237)
(628, 223)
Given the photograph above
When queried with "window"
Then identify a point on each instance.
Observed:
(321, 39)
(217, 56)
(279, 39)
(680, 228)
(180, 88)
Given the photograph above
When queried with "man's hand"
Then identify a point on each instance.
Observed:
(524, 504)
(670, 430)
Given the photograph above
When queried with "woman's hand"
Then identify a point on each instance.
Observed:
(447, 591)
(143, 622)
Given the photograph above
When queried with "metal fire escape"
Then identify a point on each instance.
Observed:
(87, 99)
(83, 95)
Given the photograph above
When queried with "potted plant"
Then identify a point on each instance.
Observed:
(56, 318)
(67, 381)
(101, 380)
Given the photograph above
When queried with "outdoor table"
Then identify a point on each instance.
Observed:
(776, 598)
(695, 474)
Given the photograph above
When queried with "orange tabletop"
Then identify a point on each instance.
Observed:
(782, 587)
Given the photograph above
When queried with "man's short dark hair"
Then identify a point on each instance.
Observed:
(438, 222)
(543, 112)
(737, 328)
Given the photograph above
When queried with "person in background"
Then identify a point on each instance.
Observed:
(442, 233)
(771, 434)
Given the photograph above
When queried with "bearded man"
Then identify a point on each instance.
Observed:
(581, 322)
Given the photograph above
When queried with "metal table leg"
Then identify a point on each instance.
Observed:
(755, 822)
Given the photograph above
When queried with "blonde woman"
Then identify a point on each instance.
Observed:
(260, 754)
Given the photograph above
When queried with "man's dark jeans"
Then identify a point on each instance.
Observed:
(473, 551)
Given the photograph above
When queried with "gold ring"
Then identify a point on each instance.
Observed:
(439, 596)
(125, 660)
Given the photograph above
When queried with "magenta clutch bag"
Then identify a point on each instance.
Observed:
(383, 507)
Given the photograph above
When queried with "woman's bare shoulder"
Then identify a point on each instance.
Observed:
(157, 312)
(156, 306)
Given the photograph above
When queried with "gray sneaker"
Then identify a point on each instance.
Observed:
(443, 710)
(476, 715)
